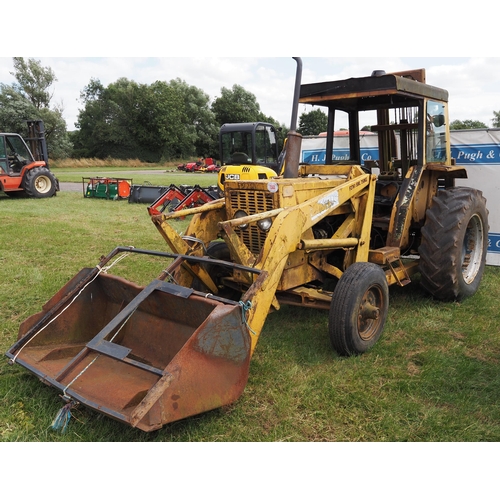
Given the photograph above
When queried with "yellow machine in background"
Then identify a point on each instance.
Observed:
(248, 151)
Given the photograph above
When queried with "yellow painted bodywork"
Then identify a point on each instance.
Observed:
(243, 173)
(290, 256)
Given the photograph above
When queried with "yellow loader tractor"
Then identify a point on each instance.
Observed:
(331, 237)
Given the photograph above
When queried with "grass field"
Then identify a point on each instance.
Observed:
(433, 376)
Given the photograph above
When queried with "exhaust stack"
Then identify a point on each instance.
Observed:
(294, 139)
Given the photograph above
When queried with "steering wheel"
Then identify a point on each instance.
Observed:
(15, 157)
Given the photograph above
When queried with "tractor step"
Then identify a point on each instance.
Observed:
(397, 271)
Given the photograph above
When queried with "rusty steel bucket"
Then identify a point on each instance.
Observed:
(145, 356)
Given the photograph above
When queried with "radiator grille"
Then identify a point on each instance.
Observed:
(252, 202)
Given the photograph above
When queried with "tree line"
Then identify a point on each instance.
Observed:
(151, 122)
(29, 98)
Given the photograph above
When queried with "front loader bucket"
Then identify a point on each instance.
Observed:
(145, 356)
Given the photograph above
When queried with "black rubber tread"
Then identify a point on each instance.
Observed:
(29, 182)
(442, 242)
(357, 280)
(220, 251)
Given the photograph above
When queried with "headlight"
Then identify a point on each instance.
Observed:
(265, 224)
(238, 215)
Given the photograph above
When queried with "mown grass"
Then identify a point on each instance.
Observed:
(433, 376)
(158, 174)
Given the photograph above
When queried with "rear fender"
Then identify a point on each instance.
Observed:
(31, 166)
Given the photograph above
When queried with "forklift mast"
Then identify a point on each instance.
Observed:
(36, 141)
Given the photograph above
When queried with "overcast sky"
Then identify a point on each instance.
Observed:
(206, 48)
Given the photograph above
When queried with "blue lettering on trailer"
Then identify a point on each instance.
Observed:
(494, 242)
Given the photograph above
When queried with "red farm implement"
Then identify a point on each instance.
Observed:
(178, 198)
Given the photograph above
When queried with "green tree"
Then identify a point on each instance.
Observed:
(164, 110)
(199, 121)
(115, 122)
(466, 124)
(496, 119)
(15, 109)
(29, 98)
(236, 105)
(87, 138)
(33, 81)
(56, 133)
(161, 121)
(312, 123)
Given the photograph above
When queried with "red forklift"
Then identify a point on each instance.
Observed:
(24, 171)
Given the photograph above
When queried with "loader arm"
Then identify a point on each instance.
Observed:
(286, 236)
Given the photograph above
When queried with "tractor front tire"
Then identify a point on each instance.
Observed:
(220, 251)
(39, 182)
(454, 244)
(358, 309)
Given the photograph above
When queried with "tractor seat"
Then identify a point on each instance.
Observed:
(239, 158)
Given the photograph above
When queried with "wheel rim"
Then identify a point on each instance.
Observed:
(369, 317)
(472, 249)
(43, 184)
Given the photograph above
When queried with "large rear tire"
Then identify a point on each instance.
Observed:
(358, 309)
(454, 244)
(39, 182)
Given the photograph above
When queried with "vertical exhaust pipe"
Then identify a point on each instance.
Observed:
(296, 94)
(294, 139)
